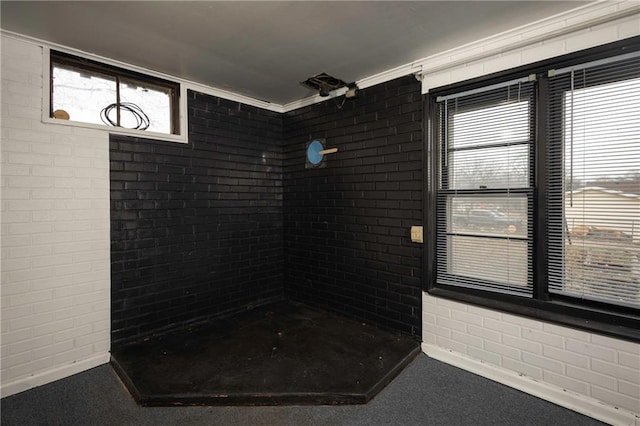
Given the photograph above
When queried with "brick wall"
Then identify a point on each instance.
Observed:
(347, 238)
(196, 228)
(55, 234)
(599, 367)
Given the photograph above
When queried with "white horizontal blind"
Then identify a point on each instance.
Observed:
(593, 201)
(484, 197)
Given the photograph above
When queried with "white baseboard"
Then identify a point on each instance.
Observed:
(26, 383)
(574, 401)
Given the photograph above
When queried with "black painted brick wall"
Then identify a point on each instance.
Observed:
(347, 226)
(196, 228)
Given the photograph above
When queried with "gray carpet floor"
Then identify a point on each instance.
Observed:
(427, 392)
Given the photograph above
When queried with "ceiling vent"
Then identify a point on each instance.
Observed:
(323, 83)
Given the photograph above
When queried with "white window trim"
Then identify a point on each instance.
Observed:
(181, 137)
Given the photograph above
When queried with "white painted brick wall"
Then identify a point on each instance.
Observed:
(596, 35)
(55, 232)
(596, 366)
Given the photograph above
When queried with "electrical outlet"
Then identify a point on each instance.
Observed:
(416, 234)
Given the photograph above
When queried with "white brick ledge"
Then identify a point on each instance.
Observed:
(26, 383)
(565, 398)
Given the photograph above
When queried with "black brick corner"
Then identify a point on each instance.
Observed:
(233, 220)
(346, 226)
(196, 229)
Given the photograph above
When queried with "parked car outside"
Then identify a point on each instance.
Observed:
(487, 220)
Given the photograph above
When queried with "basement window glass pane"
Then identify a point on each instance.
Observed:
(154, 101)
(594, 219)
(82, 94)
(484, 199)
(90, 92)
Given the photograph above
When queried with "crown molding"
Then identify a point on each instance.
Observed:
(188, 84)
(564, 23)
(567, 22)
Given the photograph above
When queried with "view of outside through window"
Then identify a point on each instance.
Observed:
(489, 149)
(602, 192)
(156, 104)
(483, 150)
(84, 94)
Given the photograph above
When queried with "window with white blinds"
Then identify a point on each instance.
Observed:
(593, 195)
(533, 203)
(484, 196)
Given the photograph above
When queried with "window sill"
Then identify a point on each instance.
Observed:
(625, 326)
(118, 130)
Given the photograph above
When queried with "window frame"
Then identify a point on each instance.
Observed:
(177, 93)
(617, 321)
(526, 191)
(558, 103)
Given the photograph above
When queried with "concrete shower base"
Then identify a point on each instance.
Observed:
(278, 354)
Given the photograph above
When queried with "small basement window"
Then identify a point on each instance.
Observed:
(90, 92)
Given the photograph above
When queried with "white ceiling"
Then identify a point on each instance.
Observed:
(264, 49)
